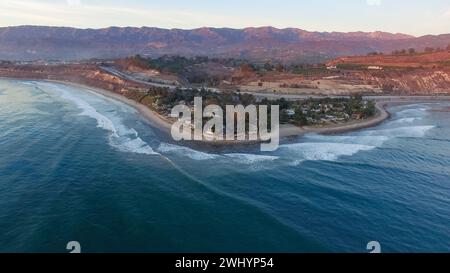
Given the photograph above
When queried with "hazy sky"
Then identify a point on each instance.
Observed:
(417, 17)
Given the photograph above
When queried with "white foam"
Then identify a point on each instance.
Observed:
(29, 83)
(414, 112)
(352, 139)
(185, 151)
(409, 131)
(122, 138)
(136, 145)
(325, 151)
(404, 121)
(251, 158)
(89, 111)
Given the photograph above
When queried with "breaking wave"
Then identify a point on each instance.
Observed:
(370, 140)
(180, 150)
(250, 158)
(120, 137)
(409, 131)
(412, 112)
(325, 151)
(405, 120)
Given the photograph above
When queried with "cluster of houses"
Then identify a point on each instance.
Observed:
(323, 113)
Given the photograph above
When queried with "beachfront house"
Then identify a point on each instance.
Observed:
(290, 112)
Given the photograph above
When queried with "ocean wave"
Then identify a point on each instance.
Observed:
(251, 158)
(404, 121)
(351, 139)
(408, 131)
(412, 112)
(89, 111)
(136, 145)
(185, 151)
(28, 83)
(122, 138)
(324, 151)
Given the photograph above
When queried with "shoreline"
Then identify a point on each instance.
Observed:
(150, 116)
(286, 130)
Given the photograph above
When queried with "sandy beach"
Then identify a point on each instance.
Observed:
(152, 117)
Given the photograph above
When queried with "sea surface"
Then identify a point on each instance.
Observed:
(77, 166)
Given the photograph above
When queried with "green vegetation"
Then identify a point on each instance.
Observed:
(413, 51)
(351, 66)
(323, 111)
(180, 64)
(309, 70)
(375, 53)
(301, 113)
(195, 70)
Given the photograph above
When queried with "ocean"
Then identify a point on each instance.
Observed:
(77, 166)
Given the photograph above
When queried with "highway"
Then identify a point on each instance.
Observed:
(117, 73)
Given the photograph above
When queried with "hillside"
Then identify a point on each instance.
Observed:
(256, 44)
(417, 60)
(418, 73)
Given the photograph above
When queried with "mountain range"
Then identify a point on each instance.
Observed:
(25, 43)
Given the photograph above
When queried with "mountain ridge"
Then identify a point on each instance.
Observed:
(254, 43)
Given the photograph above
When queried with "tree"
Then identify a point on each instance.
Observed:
(354, 104)
(429, 49)
(399, 52)
(370, 109)
(448, 47)
(279, 68)
(299, 118)
(247, 68)
(284, 118)
(268, 67)
(412, 51)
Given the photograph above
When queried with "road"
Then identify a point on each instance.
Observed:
(117, 73)
(122, 75)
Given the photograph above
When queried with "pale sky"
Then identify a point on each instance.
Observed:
(416, 17)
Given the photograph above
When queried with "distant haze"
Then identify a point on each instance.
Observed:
(257, 44)
(415, 17)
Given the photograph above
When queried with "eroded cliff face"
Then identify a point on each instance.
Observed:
(410, 82)
(89, 75)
